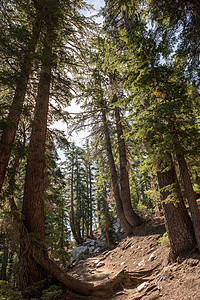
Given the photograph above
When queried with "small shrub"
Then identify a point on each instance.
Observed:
(7, 292)
(51, 293)
(163, 240)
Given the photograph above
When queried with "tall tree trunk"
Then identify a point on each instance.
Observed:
(78, 204)
(12, 120)
(177, 221)
(155, 194)
(87, 201)
(187, 184)
(62, 235)
(33, 202)
(72, 221)
(129, 213)
(128, 229)
(186, 181)
(107, 221)
(91, 205)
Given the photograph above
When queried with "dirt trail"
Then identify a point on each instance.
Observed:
(147, 261)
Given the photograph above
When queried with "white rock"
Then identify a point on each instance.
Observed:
(122, 263)
(100, 264)
(141, 263)
(96, 262)
(142, 286)
(75, 275)
(152, 256)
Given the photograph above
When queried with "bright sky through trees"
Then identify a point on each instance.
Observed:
(78, 137)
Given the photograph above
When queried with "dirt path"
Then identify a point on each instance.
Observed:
(141, 254)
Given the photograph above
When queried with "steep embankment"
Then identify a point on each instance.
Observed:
(142, 256)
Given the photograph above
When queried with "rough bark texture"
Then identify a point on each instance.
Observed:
(186, 182)
(129, 213)
(116, 189)
(33, 202)
(177, 221)
(107, 223)
(91, 205)
(195, 213)
(12, 121)
(72, 223)
(78, 202)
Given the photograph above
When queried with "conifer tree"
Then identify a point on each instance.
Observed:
(25, 57)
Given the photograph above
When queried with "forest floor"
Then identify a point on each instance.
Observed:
(179, 280)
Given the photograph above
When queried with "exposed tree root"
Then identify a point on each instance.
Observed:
(122, 279)
(39, 254)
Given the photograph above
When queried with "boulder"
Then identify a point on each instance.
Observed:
(78, 252)
(100, 244)
(89, 242)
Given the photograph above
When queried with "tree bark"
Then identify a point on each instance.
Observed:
(177, 221)
(129, 213)
(13, 118)
(186, 181)
(107, 222)
(78, 204)
(91, 205)
(33, 202)
(72, 223)
(195, 213)
(128, 229)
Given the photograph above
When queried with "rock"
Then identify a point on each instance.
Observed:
(89, 242)
(142, 286)
(96, 250)
(100, 264)
(78, 252)
(152, 256)
(141, 263)
(96, 262)
(92, 271)
(122, 263)
(100, 244)
(91, 249)
(75, 275)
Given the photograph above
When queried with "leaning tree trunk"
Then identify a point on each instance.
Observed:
(128, 228)
(195, 213)
(178, 223)
(187, 184)
(12, 121)
(129, 213)
(30, 272)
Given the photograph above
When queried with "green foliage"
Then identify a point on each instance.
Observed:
(51, 293)
(143, 210)
(8, 293)
(163, 240)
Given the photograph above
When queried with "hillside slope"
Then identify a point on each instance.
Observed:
(142, 255)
